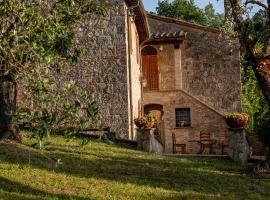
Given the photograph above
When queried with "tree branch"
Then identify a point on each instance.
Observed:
(256, 2)
(236, 11)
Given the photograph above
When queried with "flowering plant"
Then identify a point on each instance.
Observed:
(144, 122)
(236, 119)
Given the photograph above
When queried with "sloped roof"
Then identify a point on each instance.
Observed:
(167, 36)
(140, 19)
(182, 23)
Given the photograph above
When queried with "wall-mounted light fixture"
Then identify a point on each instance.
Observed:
(161, 48)
(144, 82)
(131, 10)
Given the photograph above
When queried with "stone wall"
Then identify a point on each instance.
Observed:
(210, 67)
(169, 67)
(135, 76)
(203, 118)
(103, 68)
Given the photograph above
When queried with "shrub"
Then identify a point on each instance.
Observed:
(51, 107)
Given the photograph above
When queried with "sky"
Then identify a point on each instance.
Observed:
(150, 5)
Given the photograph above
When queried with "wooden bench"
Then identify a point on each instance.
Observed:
(93, 132)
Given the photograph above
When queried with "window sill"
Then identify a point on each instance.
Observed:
(186, 127)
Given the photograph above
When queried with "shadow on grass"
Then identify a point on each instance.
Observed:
(207, 176)
(15, 190)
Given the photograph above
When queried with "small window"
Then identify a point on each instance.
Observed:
(182, 117)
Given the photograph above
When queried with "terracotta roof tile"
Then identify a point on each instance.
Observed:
(167, 35)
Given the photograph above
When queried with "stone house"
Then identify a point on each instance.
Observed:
(136, 63)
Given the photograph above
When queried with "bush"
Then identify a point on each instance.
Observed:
(264, 136)
(50, 106)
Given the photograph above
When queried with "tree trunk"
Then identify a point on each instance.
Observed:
(8, 96)
(262, 73)
(227, 9)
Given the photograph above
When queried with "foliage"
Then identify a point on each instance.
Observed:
(146, 121)
(213, 19)
(36, 33)
(256, 30)
(264, 136)
(36, 41)
(102, 171)
(254, 102)
(254, 37)
(255, 105)
(51, 107)
(236, 120)
(252, 30)
(187, 10)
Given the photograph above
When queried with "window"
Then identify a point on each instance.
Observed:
(182, 117)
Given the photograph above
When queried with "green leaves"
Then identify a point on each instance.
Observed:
(253, 101)
(38, 32)
(187, 10)
(35, 47)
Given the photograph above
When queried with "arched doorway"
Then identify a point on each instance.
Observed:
(150, 67)
(156, 110)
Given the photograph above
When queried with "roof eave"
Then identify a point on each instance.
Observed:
(140, 19)
(183, 23)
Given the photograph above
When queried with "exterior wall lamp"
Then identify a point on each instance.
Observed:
(131, 10)
(143, 81)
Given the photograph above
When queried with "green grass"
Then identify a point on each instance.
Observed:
(102, 171)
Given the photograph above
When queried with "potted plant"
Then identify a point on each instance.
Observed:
(145, 122)
(182, 123)
(236, 120)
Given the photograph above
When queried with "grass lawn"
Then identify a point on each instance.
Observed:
(102, 171)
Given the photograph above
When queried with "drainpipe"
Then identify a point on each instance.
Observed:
(130, 77)
(141, 81)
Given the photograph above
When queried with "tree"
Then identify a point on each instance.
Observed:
(254, 37)
(213, 19)
(35, 34)
(187, 10)
(254, 102)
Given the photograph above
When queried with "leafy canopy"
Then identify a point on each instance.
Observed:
(36, 43)
(35, 32)
(187, 10)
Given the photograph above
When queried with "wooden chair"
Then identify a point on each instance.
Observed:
(223, 147)
(176, 145)
(206, 142)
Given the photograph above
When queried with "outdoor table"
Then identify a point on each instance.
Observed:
(205, 144)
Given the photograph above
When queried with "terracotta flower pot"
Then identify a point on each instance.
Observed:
(236, 123)
(149, 125)
(236, 120)
(140, 125)
(145, 122)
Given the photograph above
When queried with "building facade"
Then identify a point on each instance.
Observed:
(192, 76)
(136, 63)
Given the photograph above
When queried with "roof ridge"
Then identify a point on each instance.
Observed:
(182, 22)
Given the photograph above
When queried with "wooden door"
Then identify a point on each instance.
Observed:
(150, 71)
